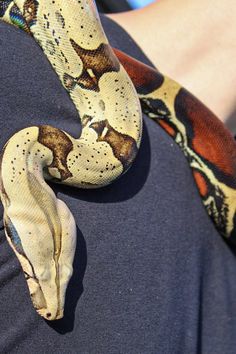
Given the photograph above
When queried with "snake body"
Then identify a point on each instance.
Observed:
(106, 87)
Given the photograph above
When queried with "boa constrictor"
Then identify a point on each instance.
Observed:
(39, 227)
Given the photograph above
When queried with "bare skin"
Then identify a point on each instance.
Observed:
(193, 42)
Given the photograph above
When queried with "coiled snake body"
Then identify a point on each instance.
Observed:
(39, 227)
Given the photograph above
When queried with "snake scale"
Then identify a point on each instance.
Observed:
(106, 87)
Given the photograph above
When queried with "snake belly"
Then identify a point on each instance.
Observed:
(40, 228)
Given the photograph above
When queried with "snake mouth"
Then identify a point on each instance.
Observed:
(51, 316)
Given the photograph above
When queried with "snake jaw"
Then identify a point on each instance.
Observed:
(47, 315)
(46, 257)
(38, 280)
(47, 294)
(54, 277)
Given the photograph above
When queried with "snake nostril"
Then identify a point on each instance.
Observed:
(48, 315)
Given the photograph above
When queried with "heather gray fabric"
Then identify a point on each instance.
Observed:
(152, 275)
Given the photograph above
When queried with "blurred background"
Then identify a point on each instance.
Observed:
(109, 6)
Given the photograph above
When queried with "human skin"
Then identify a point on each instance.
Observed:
(193, 42)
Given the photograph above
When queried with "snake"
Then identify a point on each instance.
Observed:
(110, 91)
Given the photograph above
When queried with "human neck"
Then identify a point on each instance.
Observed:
(193, 43)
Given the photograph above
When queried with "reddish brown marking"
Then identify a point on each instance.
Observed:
(201, 183)
(210, 138)
(69, 82)
(85, 120)
(170, 130)
(144, 78)
(60, 145)
(100, 61)
(124, 146)
(30, 11)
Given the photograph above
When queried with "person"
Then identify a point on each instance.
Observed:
(151, 273)
(193, 44)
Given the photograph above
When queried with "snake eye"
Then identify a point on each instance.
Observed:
(48, 315)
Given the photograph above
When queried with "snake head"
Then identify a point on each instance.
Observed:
(45, 249)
